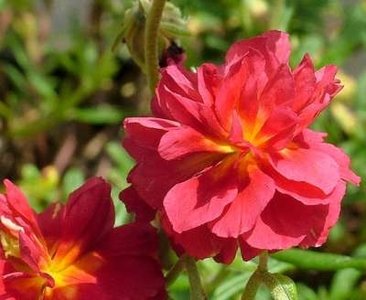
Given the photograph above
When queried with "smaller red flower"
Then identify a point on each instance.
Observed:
(72, 251)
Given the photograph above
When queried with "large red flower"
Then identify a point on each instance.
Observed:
(73, 251)
(227, 160)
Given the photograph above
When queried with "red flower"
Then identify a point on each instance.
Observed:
(73, 251)
(227, 159)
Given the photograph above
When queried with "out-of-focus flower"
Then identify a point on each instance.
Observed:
(73, 251)
(228, 161)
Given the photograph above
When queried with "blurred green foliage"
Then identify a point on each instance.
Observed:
(63, 94)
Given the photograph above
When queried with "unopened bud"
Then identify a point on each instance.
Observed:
(172, 26)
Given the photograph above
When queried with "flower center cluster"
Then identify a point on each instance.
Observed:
(8, 240)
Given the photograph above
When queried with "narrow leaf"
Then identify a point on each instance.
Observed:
(306, 259)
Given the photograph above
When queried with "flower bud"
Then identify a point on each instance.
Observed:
(172, 25)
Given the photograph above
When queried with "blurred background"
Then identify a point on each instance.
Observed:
(64, 93)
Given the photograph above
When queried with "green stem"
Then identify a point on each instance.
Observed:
(151, 42)
(263, 261)
(197, 292)
(252, 286)
(306, 259)
(174, 272)
(256, 279)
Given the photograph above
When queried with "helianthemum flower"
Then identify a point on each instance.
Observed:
(73, 251)
(228, 160)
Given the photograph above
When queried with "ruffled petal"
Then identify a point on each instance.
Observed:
(149, 174)
(305, 81)
(201, 243)
(200, 199)
(209, 78)
(273, 45)
(183, 141)
(278, 230)
(314, 140)
(326, 88)
(242, 213)
(307, 165)
(144, 134)
(184, 104)
(319, 234)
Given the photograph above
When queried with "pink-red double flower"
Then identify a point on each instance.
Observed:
(227, 159)
(73, 251)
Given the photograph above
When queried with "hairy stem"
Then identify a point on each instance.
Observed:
(255, 280)
(174, 272)
(197, 292)
(263, 261)
(151, 42)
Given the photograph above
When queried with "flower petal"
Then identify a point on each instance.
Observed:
(278, 129)
(131, 277)
(208, 80)
(131, 239)
(311, 139)
(200, 199)
(284, 230)
(50, 223)
(325, 89)
(279, 90)
(144, 134)
(17, 203)
(136, 205)
(88, 216)
(306, 165)
(274, 46)
(319, 234)
(123, 267)
(304, 76)
(25, 245)
(182, 141)
(301, 191)
(187, 107)
(229, 91)
(243, 212)
(248, 252)
(200, 243)
(147, 177)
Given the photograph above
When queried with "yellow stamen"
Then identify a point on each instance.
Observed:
(10, 242)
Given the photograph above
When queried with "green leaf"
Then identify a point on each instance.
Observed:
(280, 286)
(305, 292)
(306, 259)
(120, 157)
(73, 179)
(234, 285)
(121, 214)
(102, 114)
(343, 284)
